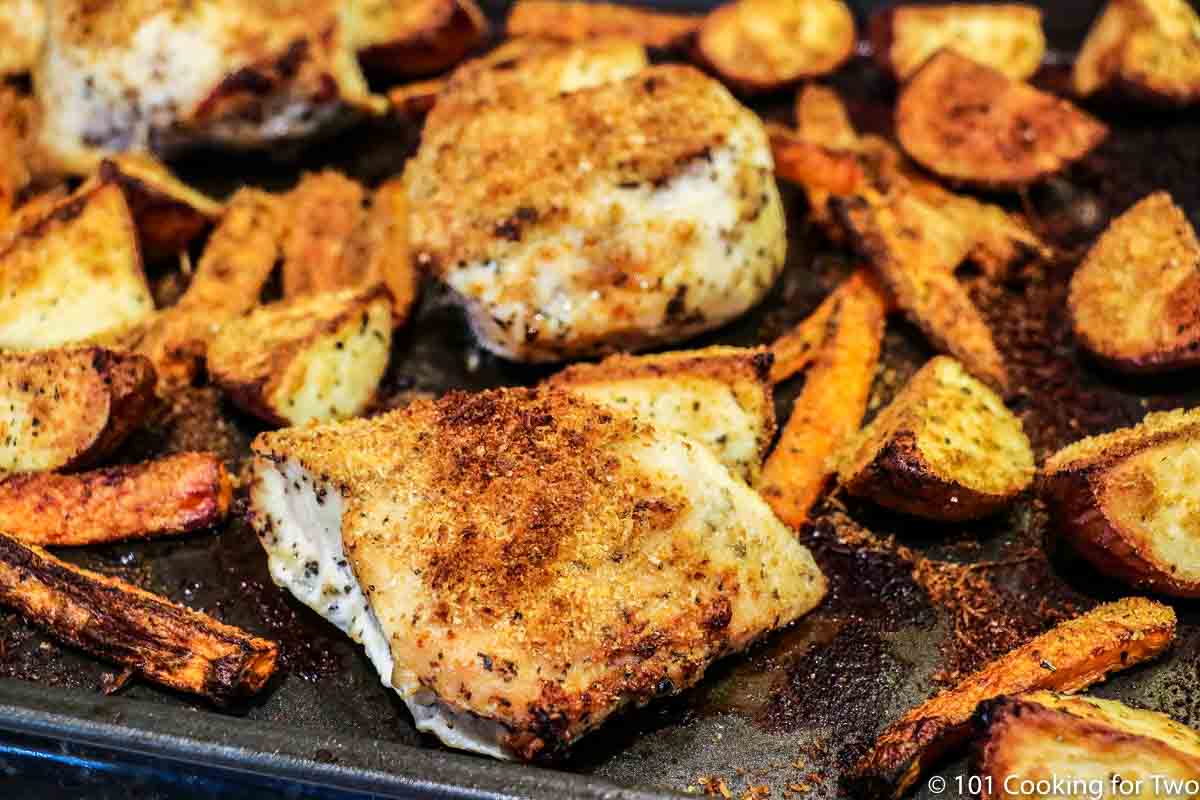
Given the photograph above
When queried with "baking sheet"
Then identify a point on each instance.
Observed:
(789, 714)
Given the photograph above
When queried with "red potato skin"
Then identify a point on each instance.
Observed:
(996, 719)
(132, 380)
(899, 479)
(1185, 355)
(165, 224)
(1173, 360)
(425, 55)
(1074, 498)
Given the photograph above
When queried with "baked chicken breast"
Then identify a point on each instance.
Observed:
(156, 75)
(520, 564)
(626, 215)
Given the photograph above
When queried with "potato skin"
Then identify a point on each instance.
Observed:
(1083, 650)
(900, 479)
(1040, 734)
(168, 214)
(1074, 498)
(251, 364)
(973, 125)
(1175, 359)
(107, 396)
(751, 74)
(1151, 250)
(451, 29)
(131, 380)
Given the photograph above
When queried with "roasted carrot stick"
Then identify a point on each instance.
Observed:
(113, 620)
(175, 494)
(797, 349)
(1070, 656)
(830, 408)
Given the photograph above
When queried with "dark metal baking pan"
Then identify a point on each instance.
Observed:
(789, 714)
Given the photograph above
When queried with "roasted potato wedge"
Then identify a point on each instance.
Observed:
(319, 356)
(899, 235)
(237, 262)
(174, 494)
(1005, 37)
(1069, 657)
(34, 208)
(73, 274)
(321, 215)
(163, 641)
(1145, 49)
(945, 449)
(381, 247)
(719, 396)
(570, 21)
(1089, 747)
(1128, 501)
(831, 406)
(415, 37)
(1135, 299)
(828, 158)
(22, 27)
(759, 45)
(69, 407)
(971, 124)
(167, 213)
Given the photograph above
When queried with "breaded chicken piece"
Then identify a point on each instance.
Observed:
(719, 396)
(520, 564)
(618, 217)
(156, 75)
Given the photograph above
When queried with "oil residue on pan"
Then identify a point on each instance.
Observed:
(911, 606)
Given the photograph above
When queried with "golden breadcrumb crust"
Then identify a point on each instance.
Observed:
(471, 197)
(542, 561)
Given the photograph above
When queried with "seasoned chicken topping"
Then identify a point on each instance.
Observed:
(540, 561)
(639, 212)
